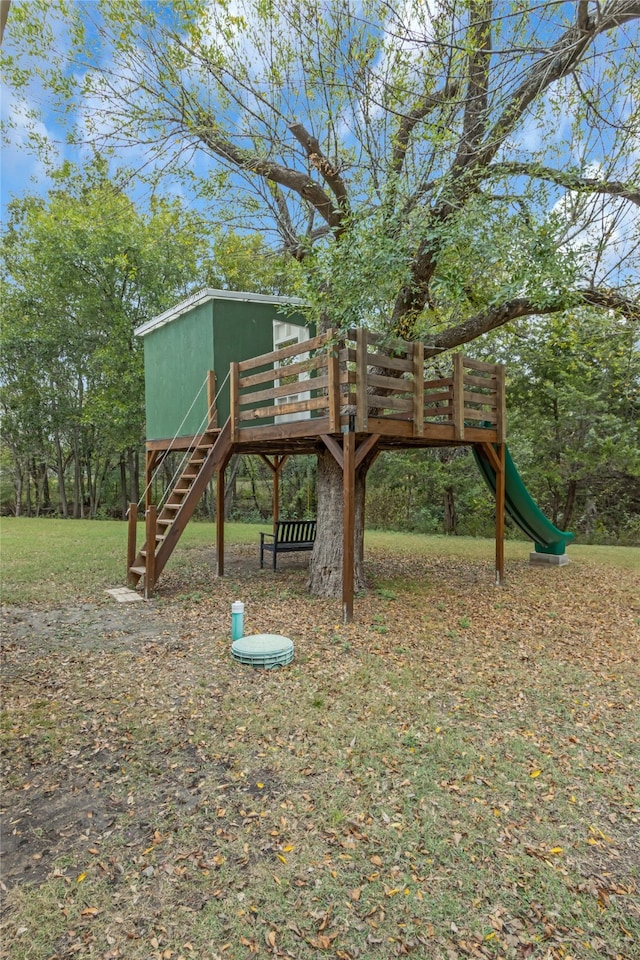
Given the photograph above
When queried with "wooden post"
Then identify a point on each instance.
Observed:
(234, 400)
(501, 404)
(333, 390)
(348, 523)
(418, 388)
(150, 462)
(500, 498)
(212, 409)
(220, 520)
(132, 515)
(150, 559)
(362, 397)
(458, 396)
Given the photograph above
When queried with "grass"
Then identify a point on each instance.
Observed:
(450, 775)
(44, 559)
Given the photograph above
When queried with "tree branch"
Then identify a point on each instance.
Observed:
(497, 316)
(300, 183)
(567, 179)
(557, 63)
(469, 168)
(475, 111)
(413, 116)
(329, 173)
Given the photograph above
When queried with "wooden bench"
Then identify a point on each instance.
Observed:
(289, 536)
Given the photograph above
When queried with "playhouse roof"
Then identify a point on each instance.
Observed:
(210, 294)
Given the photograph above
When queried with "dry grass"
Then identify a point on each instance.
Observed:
(452, 775)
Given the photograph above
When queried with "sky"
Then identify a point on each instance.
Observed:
(21, 171)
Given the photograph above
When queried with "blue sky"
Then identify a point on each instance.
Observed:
(21, 170)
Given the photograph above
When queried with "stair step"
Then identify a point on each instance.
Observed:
(172, 506)
(139, 570)
(164, 523)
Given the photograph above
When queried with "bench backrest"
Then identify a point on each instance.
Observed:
(295, 531)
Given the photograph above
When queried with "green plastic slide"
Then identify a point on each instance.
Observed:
(522, 509)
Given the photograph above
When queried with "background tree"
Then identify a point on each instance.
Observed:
(82, 268)
(437, 169)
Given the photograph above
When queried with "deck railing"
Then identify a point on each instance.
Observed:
(316, 385)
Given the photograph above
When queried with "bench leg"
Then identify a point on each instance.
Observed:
(275, 553)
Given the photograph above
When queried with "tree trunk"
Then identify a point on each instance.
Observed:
(569, 504)
(325, 571)
(62, 490)
(124, 500)
(19, 484)
(450, 516)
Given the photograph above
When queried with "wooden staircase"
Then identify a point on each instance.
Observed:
(210, 454)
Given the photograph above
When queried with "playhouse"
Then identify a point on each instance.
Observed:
(230, 372)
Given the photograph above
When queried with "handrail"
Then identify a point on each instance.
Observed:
(330, 377)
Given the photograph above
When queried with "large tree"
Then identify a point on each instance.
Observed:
(81, 269)
(437, 168)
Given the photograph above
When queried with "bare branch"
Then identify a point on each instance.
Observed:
(330, 174)
(558, 62)
(414, 115)
(300, 183)
(567, 179)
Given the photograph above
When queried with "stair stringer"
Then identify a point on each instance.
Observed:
(217, 457)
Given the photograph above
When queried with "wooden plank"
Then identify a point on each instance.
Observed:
(470, 396)
(303, 346)
(365, 447)
(348, 524)
(480, 415)
(501, 404)
(283, 409)
(234, 397)
(439, 396)
(283, 431)
(479, 365)
(333, 388)
(390, 363)
(212, 409)
(150, 559)
(402, 404)
(334, 448)
(295, 369)
(489, 382)
(395, 384)
(418, 388)
(438, 384)
(284, 390)
(458, 395)
(362, 396)
(132, 529)
(444, 410)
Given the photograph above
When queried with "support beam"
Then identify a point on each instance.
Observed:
(334, 449)
(275, 467)
(348, 524)
(220, 520)
(333, 377)
(132, 519)
(365, 447)
(212, 409)
(150, 559)
(150, 465)
(500, 501)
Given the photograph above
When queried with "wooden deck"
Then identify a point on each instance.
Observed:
(352, 395)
